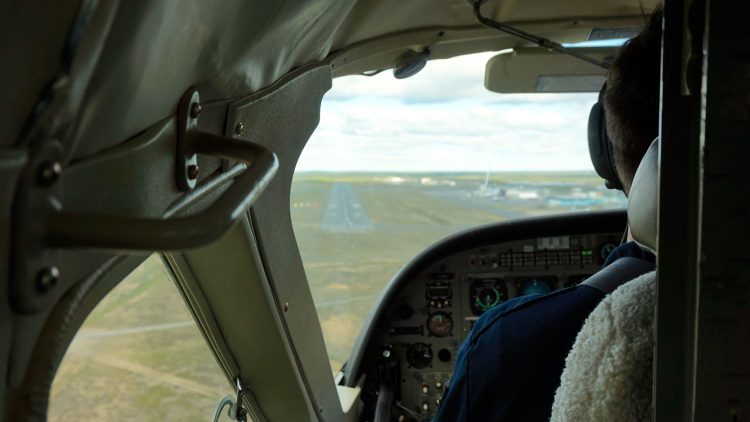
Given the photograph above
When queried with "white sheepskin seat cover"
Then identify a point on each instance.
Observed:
(608, 371)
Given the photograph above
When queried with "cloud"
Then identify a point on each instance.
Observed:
(443, 119)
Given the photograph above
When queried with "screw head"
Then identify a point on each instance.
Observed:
(192, 171)
(195, 110)
(239, 129)
(49, 172)
(286, 306)
(386, 353)
(47, 279)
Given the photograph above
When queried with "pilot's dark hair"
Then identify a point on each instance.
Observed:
(631, 101)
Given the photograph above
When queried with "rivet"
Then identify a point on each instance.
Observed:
(286, 306)
(239, 129)
(192, 171)
(47, 278)
(49, 172)
(195, 110)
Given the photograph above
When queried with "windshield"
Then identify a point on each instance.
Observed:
(396, 165)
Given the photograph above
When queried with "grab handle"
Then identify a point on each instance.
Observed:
(80, 230)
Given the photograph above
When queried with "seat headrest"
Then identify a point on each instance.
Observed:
(644, 199)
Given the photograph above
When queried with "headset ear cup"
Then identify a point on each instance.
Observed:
(600, 147)
(595, 147)
(613, 180)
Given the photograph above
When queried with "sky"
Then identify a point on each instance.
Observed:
(443, 119)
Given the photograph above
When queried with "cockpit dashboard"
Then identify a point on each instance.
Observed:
(413, 337)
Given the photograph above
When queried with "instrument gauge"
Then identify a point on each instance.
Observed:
(438, 291)
(419, 355)
(605, 250)
(440, 324)
(535, 286)
(486, 294)
(439, 294)
(487, 298)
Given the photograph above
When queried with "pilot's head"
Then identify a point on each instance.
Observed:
(631, 101)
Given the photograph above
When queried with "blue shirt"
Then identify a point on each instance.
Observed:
(509, 366)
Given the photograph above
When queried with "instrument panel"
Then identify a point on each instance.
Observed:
(429, 318)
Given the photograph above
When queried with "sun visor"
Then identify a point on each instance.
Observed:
(534, 69)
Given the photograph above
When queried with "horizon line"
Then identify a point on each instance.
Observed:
(444, 171)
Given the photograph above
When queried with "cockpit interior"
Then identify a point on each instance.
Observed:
(259, 210)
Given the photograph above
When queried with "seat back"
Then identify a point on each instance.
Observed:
(608, 372)
(607, 375)
(643, 202)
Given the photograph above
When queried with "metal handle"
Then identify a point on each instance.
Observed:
(75, 230)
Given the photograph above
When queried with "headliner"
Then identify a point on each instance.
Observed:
(137, 57)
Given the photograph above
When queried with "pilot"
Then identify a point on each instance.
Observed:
(510, 365)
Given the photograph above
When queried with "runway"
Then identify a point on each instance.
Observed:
(344, 212)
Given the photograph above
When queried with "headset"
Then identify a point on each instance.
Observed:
(600, 146)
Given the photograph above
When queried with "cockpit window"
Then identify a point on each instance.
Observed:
(396, 165)
(139, 356)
